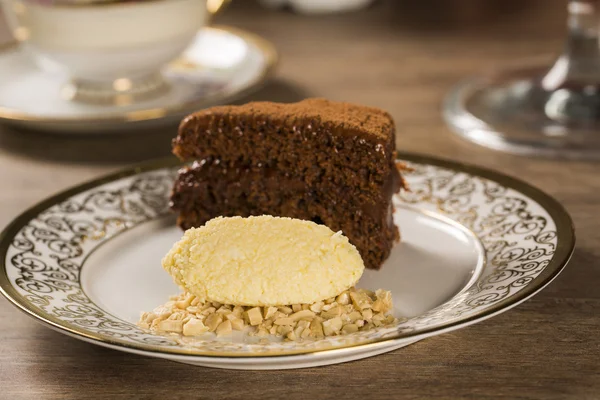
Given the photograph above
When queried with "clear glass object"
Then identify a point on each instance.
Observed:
(548, 111)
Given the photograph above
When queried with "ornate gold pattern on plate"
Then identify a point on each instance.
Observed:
(528, 238)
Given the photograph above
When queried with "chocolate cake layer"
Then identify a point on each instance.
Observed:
(328, 162)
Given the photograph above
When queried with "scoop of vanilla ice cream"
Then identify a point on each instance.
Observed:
(263, 261)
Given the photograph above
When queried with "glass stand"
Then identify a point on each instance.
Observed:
(551, 112)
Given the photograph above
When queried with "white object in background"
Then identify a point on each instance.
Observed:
(112, 52)
(319, 6)
(219, 65)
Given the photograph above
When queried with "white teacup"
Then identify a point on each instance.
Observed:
(112, 50)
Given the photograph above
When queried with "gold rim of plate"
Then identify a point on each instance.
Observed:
(564, 250)
(266, 48)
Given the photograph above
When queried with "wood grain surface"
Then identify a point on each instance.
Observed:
(402, 56)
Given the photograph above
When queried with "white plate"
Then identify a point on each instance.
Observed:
(219, 66)
(474, 243)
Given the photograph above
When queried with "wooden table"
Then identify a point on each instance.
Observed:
(400, 59)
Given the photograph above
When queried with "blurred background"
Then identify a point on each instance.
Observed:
(400, 55)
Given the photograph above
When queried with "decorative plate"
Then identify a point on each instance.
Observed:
(221, 64)
(475, 243)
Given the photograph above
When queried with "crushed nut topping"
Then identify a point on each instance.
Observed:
(351, 311)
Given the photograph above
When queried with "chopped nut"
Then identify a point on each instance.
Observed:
(176, 316)
(194, 327)
(351, 311)
(278, 314)
(302, 325)
(332, 326)
(316, 307)
(350, 328)
(284, 321)
(262, 332)
(316, 328)
(343, 298)
(170, 325)
(143, 325)
(305, 333)
(224, 328)
(378, 317)
(269, 312)
(238, 311)
(291, 336)
(185, 303)
(378, 305)
(301, 315)
(354, 316)
(367, 314)
(254, 316)
(286, 310)
(361, 300)
(367, 292)
(230, 316)
(332, 312)
(226, 314)
(212, 321)
(237, 324)
(384, 300)
(157, 320)
(147, 316)
(208, 311)
(267, 323)
(283, 330)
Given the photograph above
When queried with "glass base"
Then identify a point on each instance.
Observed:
(119, 92)
(513, 112)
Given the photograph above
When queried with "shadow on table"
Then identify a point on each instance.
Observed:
(134, 146)
(438, 15)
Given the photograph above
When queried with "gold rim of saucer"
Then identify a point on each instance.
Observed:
(265, 47)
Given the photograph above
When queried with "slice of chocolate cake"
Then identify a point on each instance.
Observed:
(329, 162)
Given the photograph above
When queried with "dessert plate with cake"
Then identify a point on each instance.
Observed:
(283, 236)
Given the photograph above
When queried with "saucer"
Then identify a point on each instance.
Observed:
(221, 65)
